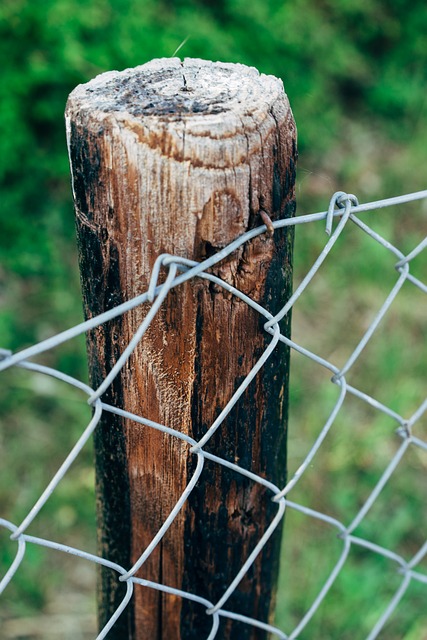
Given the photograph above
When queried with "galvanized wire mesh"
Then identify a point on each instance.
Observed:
(346, 208)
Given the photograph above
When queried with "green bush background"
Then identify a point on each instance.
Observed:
(355, 72)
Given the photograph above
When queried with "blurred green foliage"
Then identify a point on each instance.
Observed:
(355, 72)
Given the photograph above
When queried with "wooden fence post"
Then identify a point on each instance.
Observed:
(180, 157)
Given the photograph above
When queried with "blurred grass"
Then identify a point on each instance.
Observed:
(355, 73)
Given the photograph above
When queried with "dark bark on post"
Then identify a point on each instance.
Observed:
(180, 158)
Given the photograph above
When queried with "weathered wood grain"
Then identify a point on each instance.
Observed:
(180, 157)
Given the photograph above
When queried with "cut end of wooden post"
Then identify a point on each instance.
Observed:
(171, 88)
(202, 116)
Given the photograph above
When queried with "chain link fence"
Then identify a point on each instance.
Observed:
(406, 429)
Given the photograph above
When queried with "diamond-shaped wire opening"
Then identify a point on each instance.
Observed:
(390, 521)
(52, 421)
(304, 571)
(367, 584)
(61, 600)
